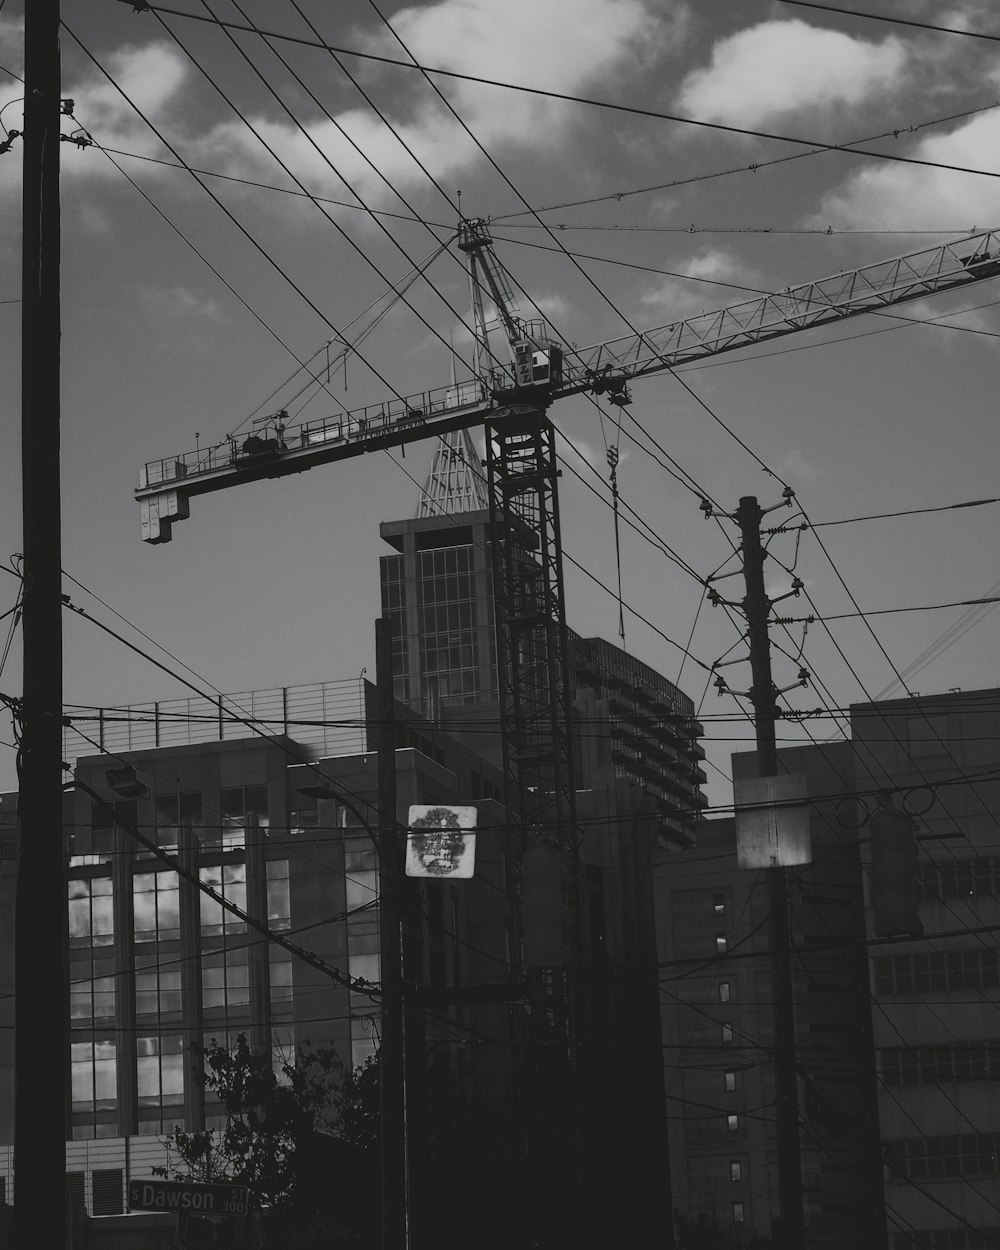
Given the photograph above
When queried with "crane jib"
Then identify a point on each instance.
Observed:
(543, 371)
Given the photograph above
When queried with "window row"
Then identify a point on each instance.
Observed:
(160, 1065)
(931, 1065)
(225, 984)
(975, 968)
(960, 878)
(156, 904)
(936, 1158)
(946, 1239)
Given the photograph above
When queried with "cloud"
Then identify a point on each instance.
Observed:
(528, 42)
(914, 197)
(177, 304)
(676, 299)
(151, 78)
(793, 465)
(783, 67)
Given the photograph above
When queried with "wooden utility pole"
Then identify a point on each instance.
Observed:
(756, 606)
(40, 1006)
(392, 1049)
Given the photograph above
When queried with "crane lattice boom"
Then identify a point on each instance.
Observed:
(165, 486)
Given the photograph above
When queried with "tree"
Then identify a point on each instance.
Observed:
(299, 1137)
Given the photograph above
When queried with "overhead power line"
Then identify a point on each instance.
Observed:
(566, 97)
(894, 21)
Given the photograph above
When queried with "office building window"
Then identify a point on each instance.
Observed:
(159, 1066)
(719, 904)
(92, 990)
(449, 651)
(947, 971)
(156, 907)
(934, 1065)
(720, 943)
(94, 1076)
(727, 1032)
(103, 825)
(225, 979)
(91, 913)
(729, 1081)
(737, 1212)
(959, 878)
(229, 880)
(940, 1158)
(946, 1239)
(236, 804)
(167, 811)
(282, 1052)
(732, 1123)
(280, 976)
(157, 988)
(725, 992)
(279, 906)
(735, 1170)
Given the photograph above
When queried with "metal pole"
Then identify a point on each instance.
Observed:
(392, 1049)
(40, 1058)
(756, 605)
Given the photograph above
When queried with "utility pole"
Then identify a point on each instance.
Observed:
(40, 1004)
(756, 606)
(395, 1231)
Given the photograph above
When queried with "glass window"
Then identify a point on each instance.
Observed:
(725, 994)
(720, 943)
(92, 990)
(157, 987)
(93, 1076)
(229, 880)
(279, 906)
(735, 1170)
(737, 1212)
(733, 1123)
(91, 911)
(167, 809)
(729, 1080)
(719, 904)
(226, 979)
(727, 1032)
(280, 975)
(160, 1071)
(156, 907)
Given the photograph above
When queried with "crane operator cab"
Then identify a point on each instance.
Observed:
(537, 363)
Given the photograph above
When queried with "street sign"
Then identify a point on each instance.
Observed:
(441, 841)
(156, 1195)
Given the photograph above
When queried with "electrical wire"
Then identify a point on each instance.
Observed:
(655, 115)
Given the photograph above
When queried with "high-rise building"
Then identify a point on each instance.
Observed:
(438, 590)
(936, 981)
(719, 1040)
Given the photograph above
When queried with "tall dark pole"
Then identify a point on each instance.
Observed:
(40, 1014)
(757, 606)
(392, 1049)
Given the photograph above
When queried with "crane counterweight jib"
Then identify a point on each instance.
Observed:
(543, 371)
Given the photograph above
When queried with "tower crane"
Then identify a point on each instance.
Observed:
(511, 400)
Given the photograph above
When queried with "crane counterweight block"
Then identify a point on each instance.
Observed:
(157, 514)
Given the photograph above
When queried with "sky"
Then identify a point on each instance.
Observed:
(191, 301)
